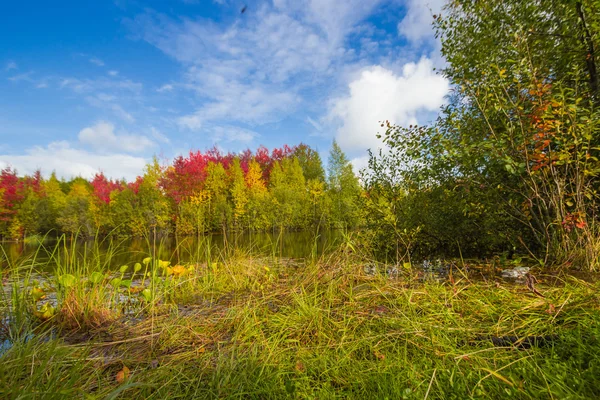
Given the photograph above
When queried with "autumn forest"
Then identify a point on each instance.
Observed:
(200, 193)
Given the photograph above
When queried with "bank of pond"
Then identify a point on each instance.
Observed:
(228, 322)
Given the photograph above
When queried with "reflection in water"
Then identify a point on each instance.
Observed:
(113, 253)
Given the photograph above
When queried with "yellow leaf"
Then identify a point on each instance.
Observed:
(122, 375)
(179, 270)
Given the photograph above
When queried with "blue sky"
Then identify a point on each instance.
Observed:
(105, 85)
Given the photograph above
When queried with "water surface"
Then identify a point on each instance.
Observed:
(117, 252)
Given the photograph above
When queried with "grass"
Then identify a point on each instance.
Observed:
(248, 327)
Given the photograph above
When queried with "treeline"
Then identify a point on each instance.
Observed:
(286, 188)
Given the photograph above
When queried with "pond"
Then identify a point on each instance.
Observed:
(296, 245)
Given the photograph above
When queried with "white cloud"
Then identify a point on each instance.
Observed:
(70, 162)
(96, 61)
(192, 122)
(165, 88)
(416, 24)
(11, 65)
(102, 138)
(379, 94)
(113, 72)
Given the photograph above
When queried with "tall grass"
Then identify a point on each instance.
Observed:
(242, 326)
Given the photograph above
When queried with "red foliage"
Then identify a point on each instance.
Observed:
(187, 175)
(266, 161)
(103, 187)
(135, 186)
(11, 191)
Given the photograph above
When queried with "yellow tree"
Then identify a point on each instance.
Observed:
(238, 191)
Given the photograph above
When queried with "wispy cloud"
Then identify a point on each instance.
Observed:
(255, 69)
(233, 134)
(165, 88)
(93, 85)
(11, 65)
(159, 136)
(113, 72)
(96, 61)
(24, 77)
(317, 126)
(110, 102)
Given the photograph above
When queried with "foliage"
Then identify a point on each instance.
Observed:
(343, 187)
(512, 162)
(203, 192)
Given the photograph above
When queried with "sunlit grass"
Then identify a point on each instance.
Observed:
(242, 326)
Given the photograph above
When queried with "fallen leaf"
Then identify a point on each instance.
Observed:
(122, 375)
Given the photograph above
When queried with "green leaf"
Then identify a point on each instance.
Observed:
(124, 268)
(67, 280)
(147, 294)
(137, 267)
(115, 282)
(125, 283)
(96, 277)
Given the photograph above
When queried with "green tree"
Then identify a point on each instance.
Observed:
(513, 159)
(344, 189)
(290, 196)
(154, 207)
(310, 161)
(524, 119)
(219, 209)
(51, 204)
(75, 217)
(126, 214)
